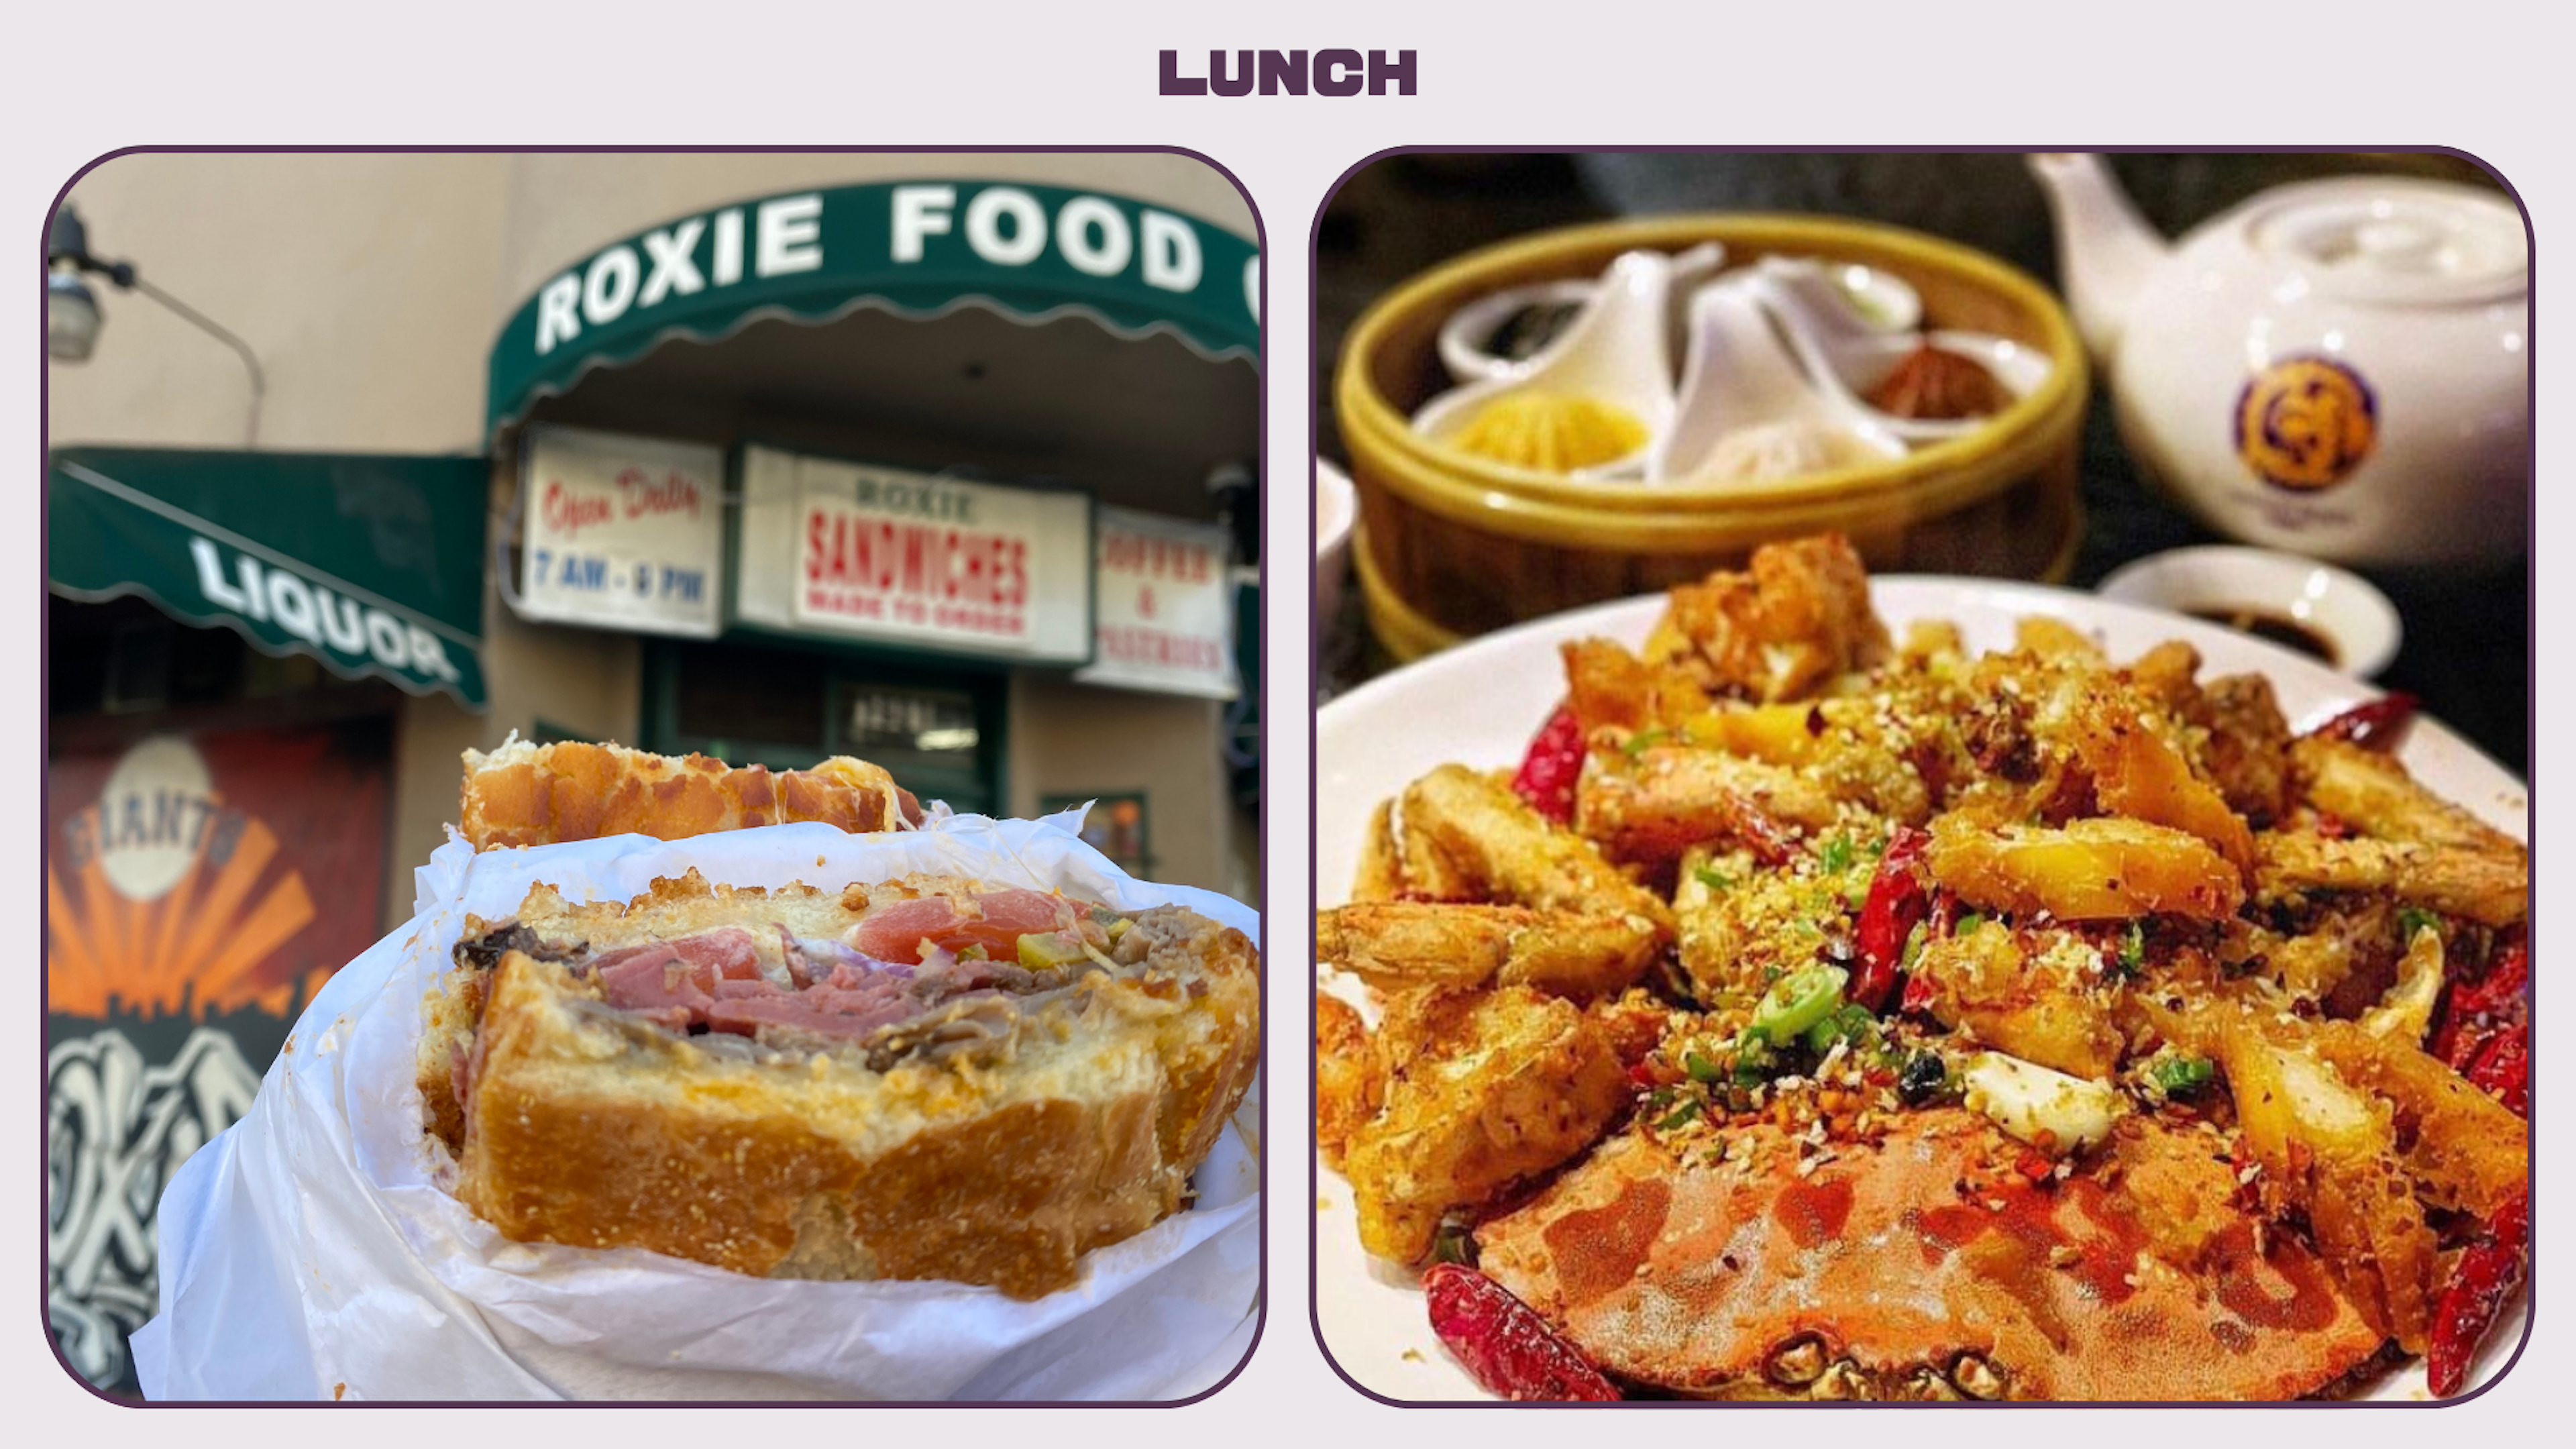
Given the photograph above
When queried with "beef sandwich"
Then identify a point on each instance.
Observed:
(928, 1078)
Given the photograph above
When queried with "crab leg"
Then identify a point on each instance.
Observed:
(2491, 889)
(1396, 944)
(1675, 797)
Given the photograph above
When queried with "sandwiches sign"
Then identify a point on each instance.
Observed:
(621, 532)
(940, 563)
(1165, 607)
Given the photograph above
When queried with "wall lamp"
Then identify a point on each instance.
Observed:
(72, 318)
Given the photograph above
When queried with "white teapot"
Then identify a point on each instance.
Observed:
(2336, 368)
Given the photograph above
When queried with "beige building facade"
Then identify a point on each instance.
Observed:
(372, 288)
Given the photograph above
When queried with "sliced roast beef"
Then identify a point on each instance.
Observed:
(674, 982)
(917, 978)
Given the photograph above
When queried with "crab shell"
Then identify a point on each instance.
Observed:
(1927, 1267)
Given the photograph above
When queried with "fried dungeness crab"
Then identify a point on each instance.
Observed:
(1822, 1011)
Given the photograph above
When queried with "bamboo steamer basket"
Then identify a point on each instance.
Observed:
(1451, 545)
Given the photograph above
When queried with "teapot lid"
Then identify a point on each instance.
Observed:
(2380, 239)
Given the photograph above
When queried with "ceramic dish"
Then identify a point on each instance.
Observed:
(1457, 545)
(2354, 625)
(1336, 510)
(1479, 703)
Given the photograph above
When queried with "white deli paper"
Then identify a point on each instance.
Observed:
(308, 1251)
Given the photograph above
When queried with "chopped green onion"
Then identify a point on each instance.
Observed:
(1967, 923)
(1800, 1000)
(1644, 740)
(2133, 950)
(2181, 1076)
(1914, 940)
(1700, 1068)
(1754, 1058)
(2414, 919)
(1683, 1116)
(1835, 855)
(1716, 880)
(1850, 1022)
(1453, 1243)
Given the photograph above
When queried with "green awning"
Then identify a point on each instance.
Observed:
(372, 565)
(916, 248)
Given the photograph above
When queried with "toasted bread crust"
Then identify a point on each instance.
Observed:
(585, 1129)
(524, 794)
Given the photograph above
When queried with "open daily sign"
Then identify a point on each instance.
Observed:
(622, 532)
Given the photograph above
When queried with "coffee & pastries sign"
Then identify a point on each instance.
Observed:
(933, 562)
(1166, 607)
(622, 532)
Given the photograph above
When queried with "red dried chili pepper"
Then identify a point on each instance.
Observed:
(2489, 1272)
(1504, 1343)
(2503, 1068)
(2376, 725)
(1897, 902)
(1554, 762)
(2477, 1010)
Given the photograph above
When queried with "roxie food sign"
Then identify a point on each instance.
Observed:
(915, 246)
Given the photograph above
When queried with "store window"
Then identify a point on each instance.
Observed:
(938, 729)
(1115, 826)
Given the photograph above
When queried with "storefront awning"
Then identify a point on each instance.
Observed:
(918, 249)
(372, 565)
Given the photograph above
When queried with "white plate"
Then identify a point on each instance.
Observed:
(1337, 510)
(1479, 704)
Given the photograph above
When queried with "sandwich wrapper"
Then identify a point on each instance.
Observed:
(309, 1252)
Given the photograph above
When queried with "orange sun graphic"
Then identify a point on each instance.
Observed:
(200, 943)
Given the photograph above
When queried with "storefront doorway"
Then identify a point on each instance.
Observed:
(940, 728)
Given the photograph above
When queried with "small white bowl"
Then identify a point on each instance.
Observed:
(2341, 608)
(1337, 510)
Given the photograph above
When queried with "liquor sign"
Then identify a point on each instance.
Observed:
(621, 532)
(1164, 605)
(918, 559)
(198, 890)
(370, 564)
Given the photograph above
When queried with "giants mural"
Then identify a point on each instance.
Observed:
(198, 889)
